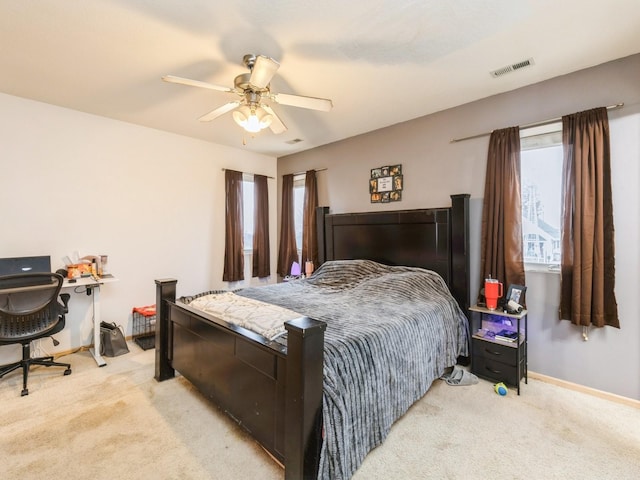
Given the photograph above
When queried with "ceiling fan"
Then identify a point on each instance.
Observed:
(250, 111)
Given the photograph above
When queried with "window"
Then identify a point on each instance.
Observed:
(298, 209)
(541, 183)
(247, 211)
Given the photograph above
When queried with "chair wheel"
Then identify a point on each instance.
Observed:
(67, 371)
(24, 392)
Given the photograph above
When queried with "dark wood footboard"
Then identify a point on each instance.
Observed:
(273, 392)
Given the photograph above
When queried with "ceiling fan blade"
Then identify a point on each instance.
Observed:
(263, 71)
(277, 126)
(195, 83)
(207, 117)
(322, 104)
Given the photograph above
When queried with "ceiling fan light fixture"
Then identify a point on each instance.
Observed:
(252, 119)
(252, 88)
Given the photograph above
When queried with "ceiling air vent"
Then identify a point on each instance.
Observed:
(512, 68)
(294, 141)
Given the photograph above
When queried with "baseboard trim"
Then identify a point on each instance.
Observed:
(82, 348)
(588, 390)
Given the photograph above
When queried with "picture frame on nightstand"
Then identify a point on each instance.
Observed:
(516, 293)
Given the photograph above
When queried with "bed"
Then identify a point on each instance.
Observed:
(297, 392)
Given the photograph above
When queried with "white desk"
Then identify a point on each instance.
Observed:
(93, 284)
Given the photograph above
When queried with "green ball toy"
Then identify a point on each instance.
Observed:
(501, 389)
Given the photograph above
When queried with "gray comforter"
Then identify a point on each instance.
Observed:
(390, 332)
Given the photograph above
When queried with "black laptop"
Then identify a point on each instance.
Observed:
(12, 266)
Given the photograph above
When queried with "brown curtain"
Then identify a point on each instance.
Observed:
(587, 265)
(233, 245)
(288, 250)
(501, 247)
(261, 254)
(309, 227)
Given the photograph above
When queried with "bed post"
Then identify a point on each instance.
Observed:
(165, 291)
(460, 250)
(321, 212)
(303, 398)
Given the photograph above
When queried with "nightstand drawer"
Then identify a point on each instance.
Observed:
(495, 370)
(495, 351)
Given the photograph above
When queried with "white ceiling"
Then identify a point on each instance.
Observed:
(381, 61)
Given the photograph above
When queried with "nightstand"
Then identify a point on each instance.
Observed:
(499, 345)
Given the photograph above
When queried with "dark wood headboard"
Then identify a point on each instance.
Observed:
(435, 238)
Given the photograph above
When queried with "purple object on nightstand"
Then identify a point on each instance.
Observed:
(295, 269)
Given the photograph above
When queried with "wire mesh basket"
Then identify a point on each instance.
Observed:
(144, 326)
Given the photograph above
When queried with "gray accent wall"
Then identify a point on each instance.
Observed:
(435, 168)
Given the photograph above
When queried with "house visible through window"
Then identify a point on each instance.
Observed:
(541, 185)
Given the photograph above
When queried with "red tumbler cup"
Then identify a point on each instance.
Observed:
(492, 292)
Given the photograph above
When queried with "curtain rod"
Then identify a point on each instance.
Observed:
(249, 173)
(528, 125)
(273, 178)
(316, 169)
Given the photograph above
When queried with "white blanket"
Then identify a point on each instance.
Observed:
(260, 317)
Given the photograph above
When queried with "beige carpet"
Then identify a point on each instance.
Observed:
(116, 422)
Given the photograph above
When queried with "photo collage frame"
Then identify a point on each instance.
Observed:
(386, 184)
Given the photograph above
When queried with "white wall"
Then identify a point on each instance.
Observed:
(152, 201)
(435, 168)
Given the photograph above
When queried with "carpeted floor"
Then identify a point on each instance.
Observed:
(117, 422)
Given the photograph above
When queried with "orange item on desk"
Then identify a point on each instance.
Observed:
(78, 270)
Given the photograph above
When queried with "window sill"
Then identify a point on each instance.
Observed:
(541, 268)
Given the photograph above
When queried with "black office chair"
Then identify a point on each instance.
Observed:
(29, 310)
